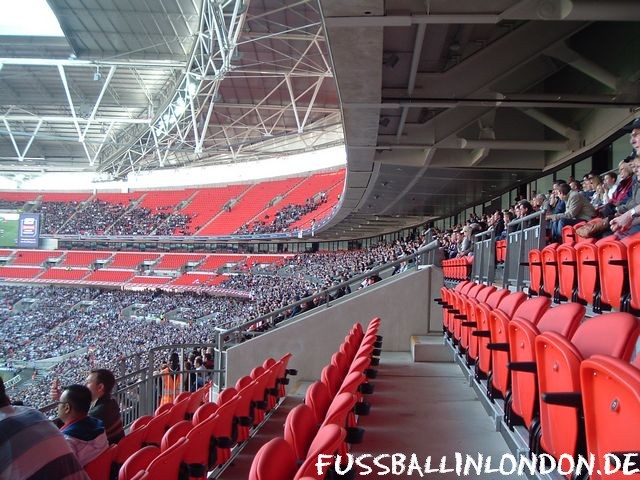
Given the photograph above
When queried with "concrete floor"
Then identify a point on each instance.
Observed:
(426, 409)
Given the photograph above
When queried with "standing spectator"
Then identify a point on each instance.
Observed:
(85, 434)
(46, 454)
(100, 383)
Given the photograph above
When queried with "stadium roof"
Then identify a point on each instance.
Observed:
(142, 85)
(444, 104)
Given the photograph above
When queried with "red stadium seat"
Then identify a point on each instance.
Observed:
(166, 466)
(563, 319)
(326, 442)
(319, 399)
(558, 361)
(611, 405)
(300, 428)
(137, 462)
(613, 271)
(274, 460)
(100, 467)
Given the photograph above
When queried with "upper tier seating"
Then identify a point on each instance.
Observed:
(207, 203)
(131, 260)
(83, 259)
(34, 257)
(64, 274)
(19, 272)
(213, 262)
(175, 261)
(106, 275)
(254, 200)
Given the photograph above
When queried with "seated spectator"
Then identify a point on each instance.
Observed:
(465, 247)
(628, 222)
(85, 434)
(609, 180)
(578, 208)
(100, 383)
(32, 447)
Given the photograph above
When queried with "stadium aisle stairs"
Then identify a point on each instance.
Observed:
(422, 408)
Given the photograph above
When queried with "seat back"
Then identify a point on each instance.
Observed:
(633, 257)
(587, 271)
(330, 376)
(300, 428)
(558, 364)
(226, 395)
(174, 433)
(485, 292)
(326, 442)
(612, 259)
(201, 453)
(179, 410)
(499, 323)
(167, 465)
(510, 303)
(567, 271)
(563, 319)
(549, 269)
(225, 429)
(128, 445)
(535, 271)
(137, 462)
(155, 429)
(319, 399)
(100, 467)
(524, 386)
(274, 460)
(532, 309)
(204, 411)
(497, 297)
(558, 360)
(611, 403)
(612, 334)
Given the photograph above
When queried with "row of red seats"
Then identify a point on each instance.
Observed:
(326, 424)
(457, 268)
(604, 274)
(557, 375)
(146, 432)
(178, 438)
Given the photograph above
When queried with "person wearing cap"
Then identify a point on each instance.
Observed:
(32, 447)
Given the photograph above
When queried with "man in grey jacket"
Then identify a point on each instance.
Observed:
(578, 208)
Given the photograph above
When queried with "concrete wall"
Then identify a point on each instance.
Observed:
(404, 303)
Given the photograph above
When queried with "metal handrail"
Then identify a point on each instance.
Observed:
(516, 230)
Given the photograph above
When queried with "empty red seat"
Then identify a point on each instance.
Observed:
(612, 263)
(611, 405)
(204, 411)
(633, 256)
(567, 272)
(177, 431)
(326, 442)
(548, 257)
(535, 271)
(478, 350)
(319, 399)
(523, 401)
(201, 454)
(137, 462)
(274, 460)
(587, 272)
(100, 467)
(166, 466)
(558, 361)
(300, 428)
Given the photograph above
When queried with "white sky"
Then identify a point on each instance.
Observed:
(187, 177)
(28, 17)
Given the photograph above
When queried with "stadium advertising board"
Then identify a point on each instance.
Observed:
(29, 230)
